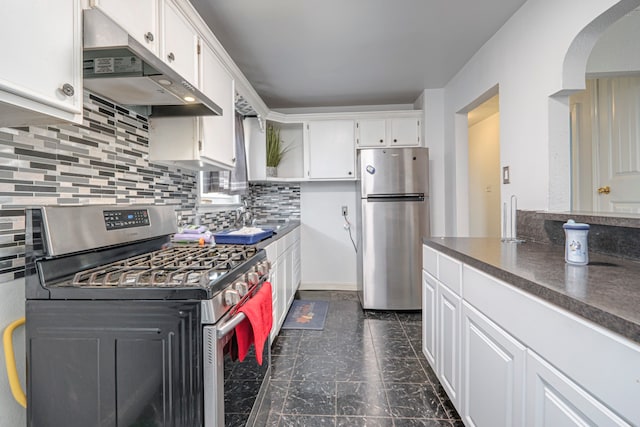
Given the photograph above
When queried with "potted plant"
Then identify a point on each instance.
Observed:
(275, 150)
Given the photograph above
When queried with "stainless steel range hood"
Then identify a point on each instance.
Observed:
(120, 68)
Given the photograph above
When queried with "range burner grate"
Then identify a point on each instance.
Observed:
(180, 266)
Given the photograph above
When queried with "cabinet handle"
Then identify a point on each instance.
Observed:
(148, 37)
(350, 173)
(67, 89)
(381, 141)
(233, 160)
(171, 57)
(395, 140)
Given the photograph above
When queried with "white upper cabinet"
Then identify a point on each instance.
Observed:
(404, 131)
(388, 132)
(179, 43)
(140, 18)
(372, 133)
(218, 132)
(199, 143)
(331, 151)
(41, 73)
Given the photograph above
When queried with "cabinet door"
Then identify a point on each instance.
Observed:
(331, 149)
(281, 280)
(139, 18)
(180, 44)
(273, 278)
(493, 368)
(295, 264)
(218, 133)
(448, 345)
(554, 400)
(429, 316)
(371, 133)
(40, 61)
(404, 131)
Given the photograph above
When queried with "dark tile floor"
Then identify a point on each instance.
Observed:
(365, 368)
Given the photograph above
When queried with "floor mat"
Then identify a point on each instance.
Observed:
(305, 314)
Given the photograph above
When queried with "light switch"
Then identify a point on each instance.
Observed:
(505, 174)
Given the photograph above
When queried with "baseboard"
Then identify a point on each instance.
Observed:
(328, 287)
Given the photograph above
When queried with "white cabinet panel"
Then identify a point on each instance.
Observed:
(331, 149)
(390, 132)
(430, 260)
(139, 18)
(572, 344)
(199, 143)
(41, 73)
(372, 133)
(553, 400)
(179, 44)
(429, 317)
(492, 373)
(448, 345)
(405, 132)
(218, 132)
(284, 255)
(450, 273)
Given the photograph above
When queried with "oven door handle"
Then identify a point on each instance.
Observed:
(229, 326)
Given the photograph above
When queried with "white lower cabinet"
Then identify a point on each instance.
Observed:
(284, 255)
(429, 288)
(493, 365)
(554, 400)
(507, 358)
(448, 341)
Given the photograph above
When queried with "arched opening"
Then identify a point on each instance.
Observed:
(562, 186)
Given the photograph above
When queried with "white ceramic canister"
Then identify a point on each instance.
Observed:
(576, 249)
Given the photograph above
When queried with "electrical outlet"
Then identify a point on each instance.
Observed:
(345, 211)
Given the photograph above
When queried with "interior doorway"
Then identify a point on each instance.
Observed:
(484, 169)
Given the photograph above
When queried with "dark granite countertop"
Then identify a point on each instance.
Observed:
(285, 228)
(606, 292)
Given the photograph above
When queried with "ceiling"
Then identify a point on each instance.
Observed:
(332, 53)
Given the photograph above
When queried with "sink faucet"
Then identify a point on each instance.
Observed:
(243, 215)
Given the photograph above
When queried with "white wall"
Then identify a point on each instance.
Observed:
(537, 59)
(327, 255)
(485, 178)
(431, 102)
(618, 50)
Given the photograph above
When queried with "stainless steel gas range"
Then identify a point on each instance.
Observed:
(125, 329)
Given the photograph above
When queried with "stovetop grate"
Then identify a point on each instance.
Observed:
(181, 266)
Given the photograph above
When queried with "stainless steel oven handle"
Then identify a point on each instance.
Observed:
(230, 325)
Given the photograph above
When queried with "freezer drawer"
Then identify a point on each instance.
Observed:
(392, 231)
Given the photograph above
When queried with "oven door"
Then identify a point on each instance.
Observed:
(233, 390)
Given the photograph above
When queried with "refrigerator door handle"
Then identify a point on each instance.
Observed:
(414, 197)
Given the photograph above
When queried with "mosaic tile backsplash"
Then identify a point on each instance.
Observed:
(103, 161)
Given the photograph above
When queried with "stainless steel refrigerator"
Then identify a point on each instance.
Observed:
(393, 213)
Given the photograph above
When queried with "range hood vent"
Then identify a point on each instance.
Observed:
(120, 68)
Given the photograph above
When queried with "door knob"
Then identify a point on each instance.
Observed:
(604, 190)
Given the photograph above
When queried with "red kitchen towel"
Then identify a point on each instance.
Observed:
(256, 327)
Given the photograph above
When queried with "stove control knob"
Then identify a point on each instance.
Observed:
(253, 278)
(241, 287)
(262, 269)
(231, 297)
